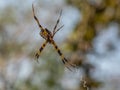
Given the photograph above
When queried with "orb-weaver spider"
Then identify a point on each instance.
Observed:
(48, 36)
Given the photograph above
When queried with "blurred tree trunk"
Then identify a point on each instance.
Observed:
(96, 14)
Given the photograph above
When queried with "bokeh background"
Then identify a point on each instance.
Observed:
(90, 39)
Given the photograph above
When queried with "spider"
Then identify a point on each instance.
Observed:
(48, 36)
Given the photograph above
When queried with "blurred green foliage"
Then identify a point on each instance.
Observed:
(95, 16)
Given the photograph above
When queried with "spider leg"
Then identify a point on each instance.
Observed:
(40, 50)
(64, 60)
(36, 19)
(57, 22)
(58, 30)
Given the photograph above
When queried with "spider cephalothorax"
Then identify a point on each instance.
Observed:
(48, 36)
